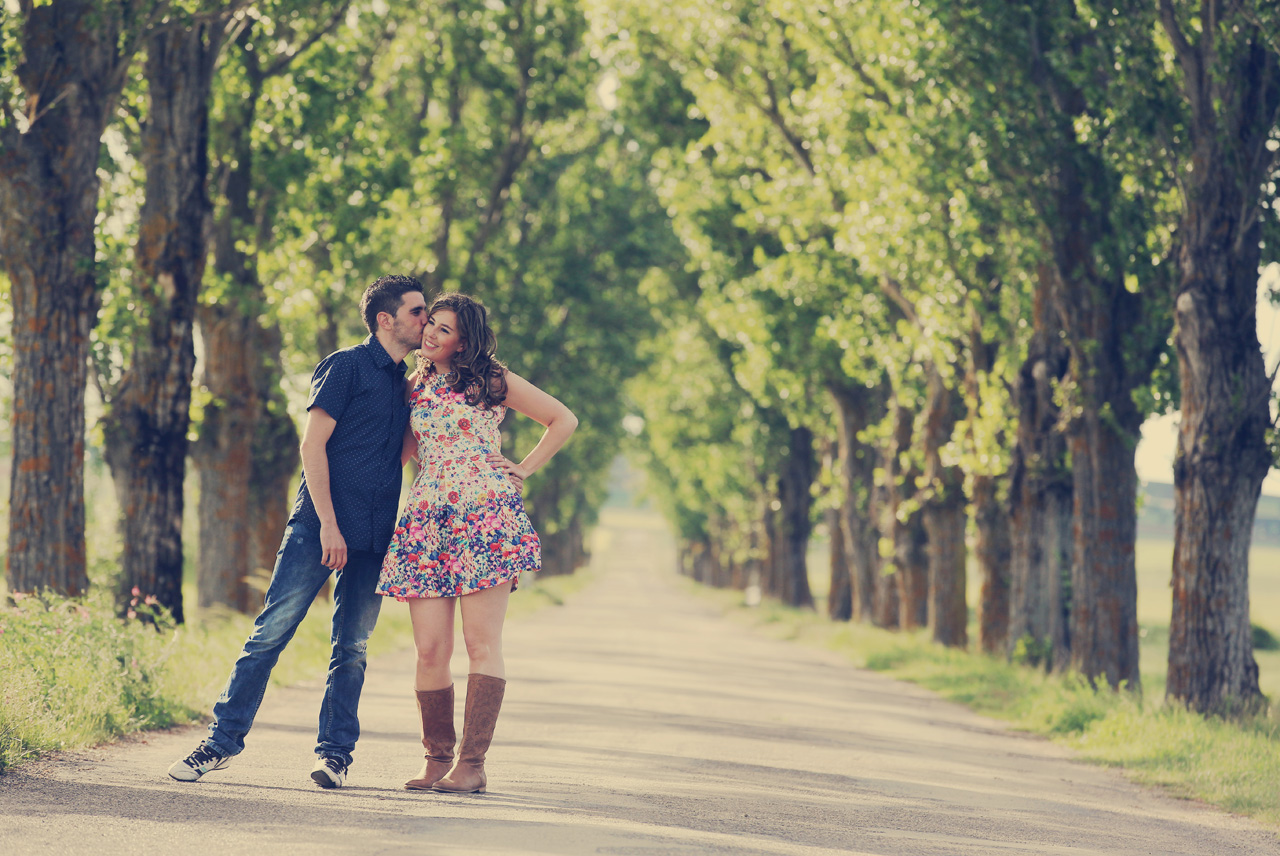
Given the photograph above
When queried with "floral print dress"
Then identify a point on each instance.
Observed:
(464, 527)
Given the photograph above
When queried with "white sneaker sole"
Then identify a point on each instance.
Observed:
(325, 778)
(181, 772)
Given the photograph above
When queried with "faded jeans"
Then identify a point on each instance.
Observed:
(295, 582)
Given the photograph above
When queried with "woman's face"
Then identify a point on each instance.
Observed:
(440, 338)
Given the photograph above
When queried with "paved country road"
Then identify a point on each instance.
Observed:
(637, 722)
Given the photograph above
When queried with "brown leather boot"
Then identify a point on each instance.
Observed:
(484, 700)
(438, 737)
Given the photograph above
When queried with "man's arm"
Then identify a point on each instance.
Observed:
(315, 464)
(408, 448)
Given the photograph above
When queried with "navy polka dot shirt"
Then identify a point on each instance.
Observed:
(364, 391)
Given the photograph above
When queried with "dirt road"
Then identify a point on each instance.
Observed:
(637, 722)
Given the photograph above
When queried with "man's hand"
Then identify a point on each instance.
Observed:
(333, 547)
(510, 469)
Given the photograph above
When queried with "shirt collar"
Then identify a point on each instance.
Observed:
(381, 358)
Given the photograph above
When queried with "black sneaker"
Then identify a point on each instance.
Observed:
(205, 759)
(330, 772)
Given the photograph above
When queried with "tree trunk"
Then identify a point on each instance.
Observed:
(684, 558)
(857, 408)
(149, 412)
(557, 552)
(74, 57)
(1104, 595)
(990, 514)
(904, 604)
(944, 510)
(328, 320)
(795, 482)
(1102, 320)
(1040, 500)
(840, 589)
(724, 565)
(888, 604)
(223, 455)
(275, 462)
(1222, 454)
(840, 595)
(768, 547)
(224, 451)
(992, 551)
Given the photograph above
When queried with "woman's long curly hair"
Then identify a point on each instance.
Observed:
(482, 378)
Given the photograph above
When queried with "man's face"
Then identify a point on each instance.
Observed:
(410, 318)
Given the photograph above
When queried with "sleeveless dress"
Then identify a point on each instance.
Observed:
(464, 527)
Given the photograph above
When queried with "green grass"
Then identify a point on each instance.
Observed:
(1154, 560)
(1234, 765)
(75, 675)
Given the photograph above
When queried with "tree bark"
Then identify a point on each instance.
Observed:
(1222, 454)
(1104, 624)
(1101, 319)
(944, 511)
(75, 55)
(1040, 500)
(275, 461)
(148, 413)
(224, 452)
(905, 602)
(1113, 334)
(840, 593)
(990, 514)
(856, 408)
(788, 524)
(223, 455)
(992, 550)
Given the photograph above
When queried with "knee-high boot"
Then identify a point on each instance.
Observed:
(438, 737)
(484, 700)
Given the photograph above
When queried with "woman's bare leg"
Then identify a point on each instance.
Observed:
(432, 619)
(482, 615)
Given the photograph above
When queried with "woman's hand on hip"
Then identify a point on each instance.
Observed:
(510, 469)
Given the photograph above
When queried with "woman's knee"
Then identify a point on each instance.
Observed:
(434, 652)
(483, 647)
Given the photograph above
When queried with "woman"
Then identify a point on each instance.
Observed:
(464, 536)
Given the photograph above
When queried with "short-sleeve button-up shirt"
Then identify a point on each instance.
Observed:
(364, 391)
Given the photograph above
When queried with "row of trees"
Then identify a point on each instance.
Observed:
(227, 177)
(931, 262)
(942, 260)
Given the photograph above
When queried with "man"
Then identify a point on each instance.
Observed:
(342, 521)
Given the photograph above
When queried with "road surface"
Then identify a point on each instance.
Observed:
(637, 722)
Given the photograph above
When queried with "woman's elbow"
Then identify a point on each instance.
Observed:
(570, 421)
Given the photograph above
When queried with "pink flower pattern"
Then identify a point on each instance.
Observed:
(464, 527)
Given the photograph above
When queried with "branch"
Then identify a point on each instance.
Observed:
(841, 45)
(1189, 57)
(130, 40)
(893, 290)
(282, 62)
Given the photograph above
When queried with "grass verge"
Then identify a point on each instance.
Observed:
(1231, 764)
(75, 675)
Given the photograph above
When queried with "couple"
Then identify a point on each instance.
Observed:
(462, 538)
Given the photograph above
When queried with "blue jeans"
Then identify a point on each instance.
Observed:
(295, 582)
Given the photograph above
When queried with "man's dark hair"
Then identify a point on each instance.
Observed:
(385, 295)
